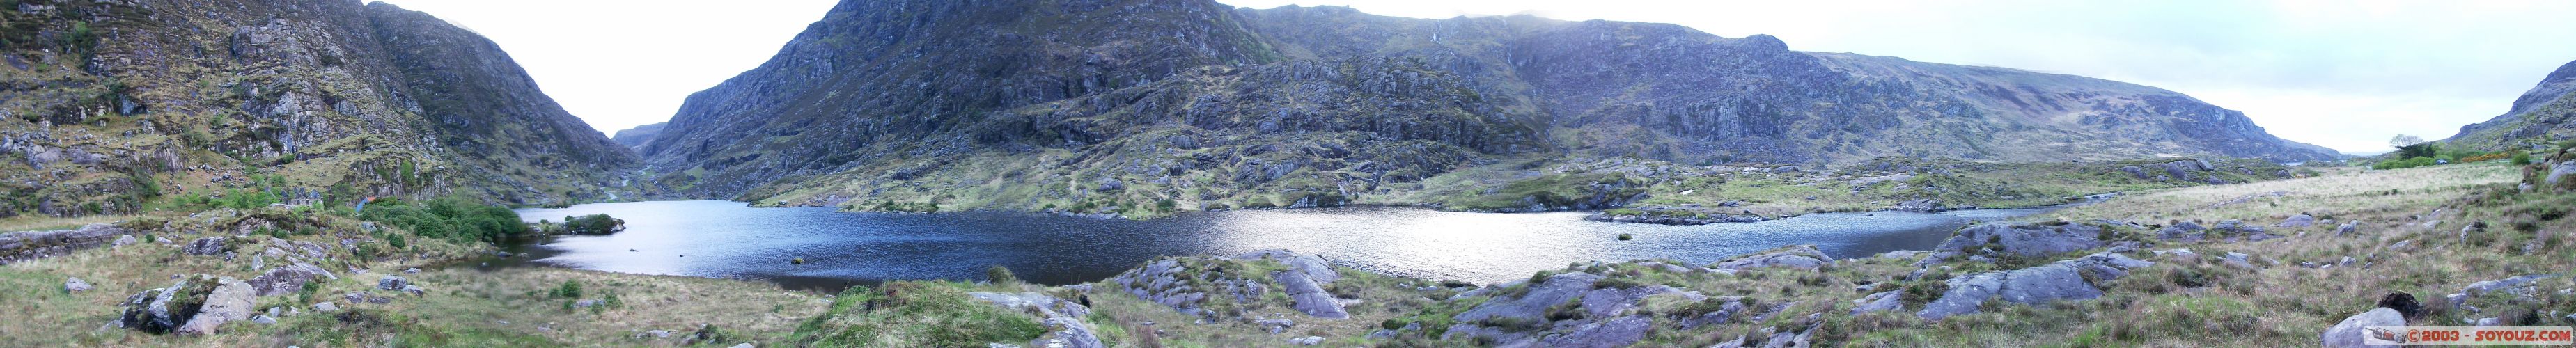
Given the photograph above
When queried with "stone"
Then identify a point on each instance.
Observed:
(207, 246)
(1883, 301)
(288, 279)
(2348, 334)
(1066, 332)
(1307, 341)
(2238, 260)
(263, 319)
(2489, 321)
(2485, 286)
(656, 333)
(1795, 256)
(1275, 325)
(1919, 205)
(585, 303)
(2176, 254)
(1315, 267)
(2301, 220)
(411, 271)
(28, 245)
(2027, 240)
(2061, 280)
(392, 283)
(231, 301)
(1062, 318)
(74, 284)
(415, 290)
(1616, 332)
(124, 240)
(1308, 295)
(326, 306)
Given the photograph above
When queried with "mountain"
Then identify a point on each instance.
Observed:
(113, 105)
(2543, 114)
(639, 136)
(1156, 104)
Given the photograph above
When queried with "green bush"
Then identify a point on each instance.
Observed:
(450, 219)
(1000, 275)
(2405, 163)
(569, 289)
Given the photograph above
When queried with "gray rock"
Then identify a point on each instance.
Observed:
(2560, 172)
(74, 284)
(2301, 220)
(1919, 205)
(205, 246)
(2238, 260)
(1067, 332)
(1313, 266)
(1883, 301)
(124, 240)
(2061, 280)
(288, 279)
(656, 333)
(1557, 289)
(1307, 341)
(28, 245)
(585, 303)
(326, 306)
(415, 290)
(748, 345)
(2348, 334)
(1797, 256)
(1275, 325)
(2489, 321)
(263, 319)
(2173, 254)
(1308, 295)
(231, 301)
(2182, 231)
(411, 271)
(2482, 287)
(2347, 227)
(1616, 332)
(392, 283)
(2023, 239)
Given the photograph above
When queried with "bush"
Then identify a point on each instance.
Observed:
(2520, 158)
(1000, 275)
(450, 219)
(569, 289)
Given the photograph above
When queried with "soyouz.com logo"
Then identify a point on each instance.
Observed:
(2537, 335)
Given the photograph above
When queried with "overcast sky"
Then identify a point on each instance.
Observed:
(2343, 74)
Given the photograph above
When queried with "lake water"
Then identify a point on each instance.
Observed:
(729, 240)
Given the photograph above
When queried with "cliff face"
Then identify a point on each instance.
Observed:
(112, 104)
(1031, 105)
(2541, 115)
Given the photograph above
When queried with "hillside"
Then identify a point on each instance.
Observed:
(112, 106)
(2540, 116)
(1147, 107)
(639, 136)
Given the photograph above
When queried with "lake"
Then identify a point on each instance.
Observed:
(724, 239)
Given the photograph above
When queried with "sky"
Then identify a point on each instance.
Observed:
(2343, 74)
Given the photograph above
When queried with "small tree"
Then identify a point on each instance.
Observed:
(2403, 140)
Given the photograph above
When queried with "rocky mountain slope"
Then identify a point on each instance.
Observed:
(111, 105)
(1144, 107)
(2541, 115)
(639, 136)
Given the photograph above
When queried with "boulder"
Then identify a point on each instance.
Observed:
(74, 284)
(2182, 231)
(1616, 332)
(2348, 334)
(28, 245)
(287, 279)
(1275, 325)
(1313, 266)
(2405, 305)
(1883, 301)
(1063, 319)
(1533, 304)
(415, 290)
(2301, 220)
(1797, 256)
(1308, 295)
(392, 283)
(231, 301)
(326, 306)
(1307, 341)
(2176, 254)
(1919, 205)
(205, 246)
(1067, 332)
(124, 240)
(2061, 280)
(2238, 260)
(2485, 286)
(2027, 240)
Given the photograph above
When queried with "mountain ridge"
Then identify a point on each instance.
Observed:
(1297, 104)
(2542, 114)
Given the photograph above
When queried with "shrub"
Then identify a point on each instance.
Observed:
(1000, 275)
(569, 289)
(593, 224)
(450, 219)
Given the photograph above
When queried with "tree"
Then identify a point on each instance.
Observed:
(2403, 140)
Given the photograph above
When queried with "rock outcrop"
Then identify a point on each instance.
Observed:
(1062, 319)
(198, 304)
(29, 245)
(2542, 115)
(288, 279)
(2059, 281)
(1795, 256)
(1565, 310)
(2026, 240)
